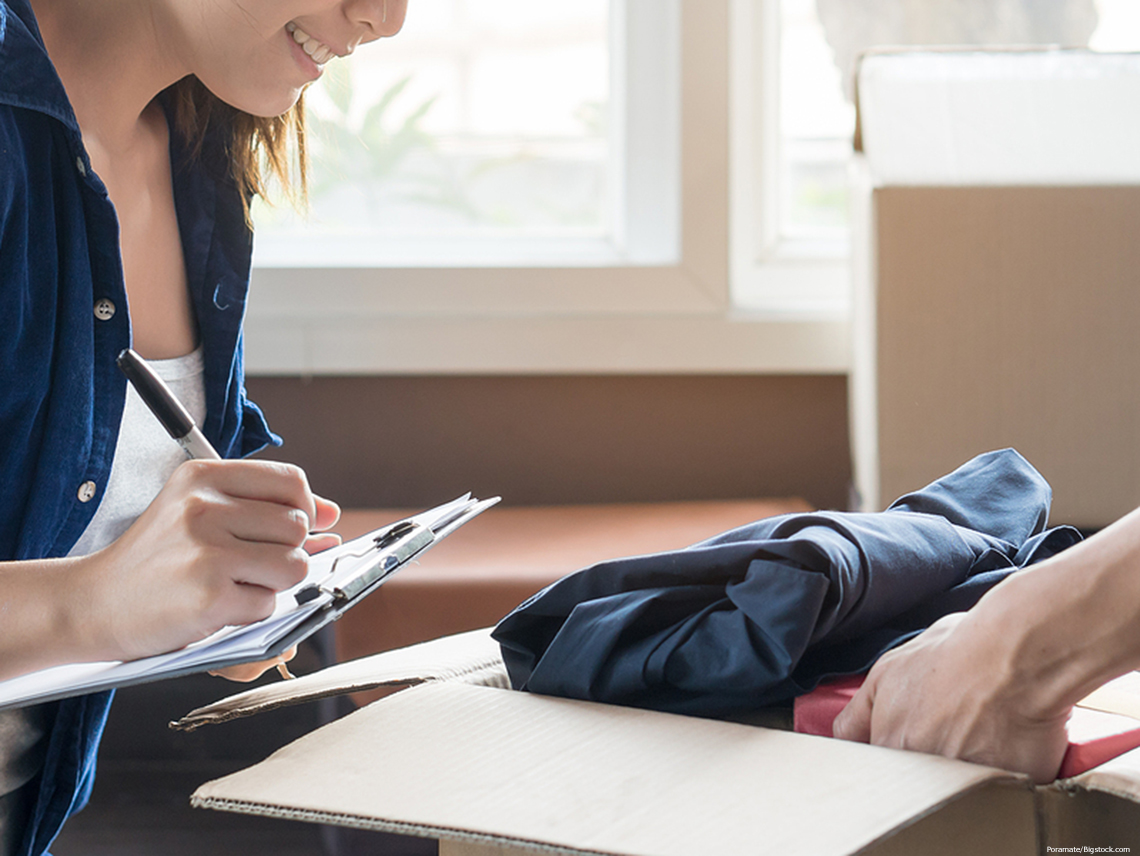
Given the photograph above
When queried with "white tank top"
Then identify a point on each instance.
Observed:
(145, 457)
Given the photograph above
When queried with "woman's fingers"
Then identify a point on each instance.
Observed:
(948, 692)
(252, 671)
(263, 481)
(319, 543)
(260, 522)
(254, 501)
(214, 548)
(271, 566)
(328, 513)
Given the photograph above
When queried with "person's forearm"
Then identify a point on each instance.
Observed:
(42, 615)
(1071, 623)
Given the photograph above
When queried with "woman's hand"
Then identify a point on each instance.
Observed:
(212, 550)
(955, 691)
(248, 672)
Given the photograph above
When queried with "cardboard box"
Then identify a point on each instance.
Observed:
(996, 300)
(490, 771)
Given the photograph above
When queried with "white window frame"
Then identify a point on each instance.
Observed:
(672, 316)
(768, 269)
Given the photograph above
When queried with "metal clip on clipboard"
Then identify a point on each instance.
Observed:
(356, 574)
(359, 572)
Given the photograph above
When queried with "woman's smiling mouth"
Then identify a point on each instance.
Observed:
(319, 52)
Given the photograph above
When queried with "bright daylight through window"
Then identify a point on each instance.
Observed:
(821, 37)
(482, 131)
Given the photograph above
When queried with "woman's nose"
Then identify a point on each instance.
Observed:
(380, 18)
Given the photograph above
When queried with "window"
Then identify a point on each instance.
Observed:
(796, 118)
(639, 282)
(488, 135)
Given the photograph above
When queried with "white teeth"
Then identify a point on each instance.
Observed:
(320, 53)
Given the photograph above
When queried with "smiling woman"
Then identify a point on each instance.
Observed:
(248, 53)
(265, 130)
(124, 204)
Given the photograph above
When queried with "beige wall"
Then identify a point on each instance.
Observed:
(414, 441)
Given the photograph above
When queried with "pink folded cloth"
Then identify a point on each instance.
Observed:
(1095, 736)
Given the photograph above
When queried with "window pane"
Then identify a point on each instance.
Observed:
(816, 123)
(480, 121)
(820, 40)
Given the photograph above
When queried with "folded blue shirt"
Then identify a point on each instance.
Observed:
(764, 612)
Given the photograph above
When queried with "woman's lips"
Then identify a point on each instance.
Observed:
(317, 51)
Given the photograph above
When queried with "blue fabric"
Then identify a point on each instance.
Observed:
(761, 614)
(61, 399)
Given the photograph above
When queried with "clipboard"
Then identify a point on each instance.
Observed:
(337, 580)
(359, 567)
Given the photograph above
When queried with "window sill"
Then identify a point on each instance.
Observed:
(619, 343)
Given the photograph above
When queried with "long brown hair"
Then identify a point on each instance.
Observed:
(259, 148)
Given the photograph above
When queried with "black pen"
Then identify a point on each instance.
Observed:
(165, 406)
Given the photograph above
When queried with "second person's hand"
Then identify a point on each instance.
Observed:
(952, 691)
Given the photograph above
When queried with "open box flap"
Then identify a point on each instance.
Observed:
(471, 657)
(460, 762)
(1120, 777)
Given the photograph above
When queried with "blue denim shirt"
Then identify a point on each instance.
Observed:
(61, 398)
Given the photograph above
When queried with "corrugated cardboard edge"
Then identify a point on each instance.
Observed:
(375, 825)
(513, 719)
(472, 657)
(449, 833)
(457, 834)
(1119, 777)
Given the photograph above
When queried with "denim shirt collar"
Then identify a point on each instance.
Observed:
(27, 77)
(212, 222)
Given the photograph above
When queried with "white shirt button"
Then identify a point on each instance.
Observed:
(79, 166)
(87, 491)
(104, 309)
